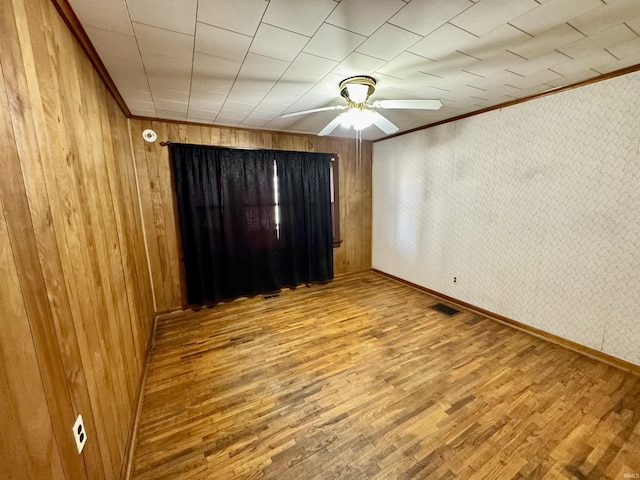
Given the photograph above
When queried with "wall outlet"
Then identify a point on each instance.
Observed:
(79, 433)
(455, 280)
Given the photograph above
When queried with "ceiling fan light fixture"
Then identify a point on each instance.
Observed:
(357, 118)
(357, 89)
(357, 93)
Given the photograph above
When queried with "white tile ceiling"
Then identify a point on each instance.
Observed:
(244, 63)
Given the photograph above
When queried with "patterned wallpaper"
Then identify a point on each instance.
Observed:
(535, 208)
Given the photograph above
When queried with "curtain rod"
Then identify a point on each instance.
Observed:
(169, 142)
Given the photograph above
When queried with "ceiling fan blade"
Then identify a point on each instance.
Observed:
(333, 124)
(409, 104)
(383, 124)
(314, 110)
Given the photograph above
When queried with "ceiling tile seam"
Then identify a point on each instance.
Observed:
(235, 80)
(347, 30)
(274, 85)
(193, 59)
(583, 35)
(195, 30)
(159, 28)
(612, 54)
(431, 75)
(144, 66)
(476, 88)
(515, 73)
(457, 15)
(512, 86)
(630, 28)
(519, 29)
(523, 57)
(448, 22)
(290, 31)
(298, 33)
(225, 29)
(283, 74)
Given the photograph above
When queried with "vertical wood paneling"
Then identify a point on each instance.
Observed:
(158, 197)
(75, 290)
(31, 446)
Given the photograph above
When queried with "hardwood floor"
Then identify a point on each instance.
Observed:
(360, 379)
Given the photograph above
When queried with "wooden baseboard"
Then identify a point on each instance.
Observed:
(550, 337)
(127, 465)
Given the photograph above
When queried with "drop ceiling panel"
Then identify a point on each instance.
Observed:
(214, 74)
(442, 41)
(405, 65)
(200, 116)
(388, 42)
(554, 12)
(292, 84)
(364, 16)
(262, 69)
(242, 16)
(168, 14)
(278, 43)
(452, 63)
(166, 94)
(502, 82)
(496, 64)
(573, 67)
(120, 55)
(548, 60)
(552, 39)
(111, 15)
(358, 64)
(245, 62)
(181, 107)
(157, 41)
(311, 66)
(222, 43)
(172, 115)
(634, 24)
(607, 16)
(574, 78)
(537, 78)
(628, 61)
(425, 16)
(605, 39)
(627, 49)
(333, 43)
(488, 15)
(300, 17)
(167, 72)
(495, 42)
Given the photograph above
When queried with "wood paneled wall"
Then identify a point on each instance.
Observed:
(75, 296)
(158, 198)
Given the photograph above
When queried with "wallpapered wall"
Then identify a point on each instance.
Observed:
(535, 208)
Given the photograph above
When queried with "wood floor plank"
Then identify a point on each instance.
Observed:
(360, 379)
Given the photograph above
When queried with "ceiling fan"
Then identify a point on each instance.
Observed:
(357, 90)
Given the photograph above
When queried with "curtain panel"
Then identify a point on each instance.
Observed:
(252, 221)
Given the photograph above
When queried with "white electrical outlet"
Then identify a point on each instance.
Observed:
(455, 280)
(79, 433)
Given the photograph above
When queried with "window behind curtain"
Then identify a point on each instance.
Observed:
(244, 233)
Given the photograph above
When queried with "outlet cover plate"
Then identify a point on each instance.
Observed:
(79, 433)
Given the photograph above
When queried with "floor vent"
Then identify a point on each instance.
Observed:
(442, 308)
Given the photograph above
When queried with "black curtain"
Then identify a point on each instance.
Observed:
(306, 241)
(227, 220)
(231, 242)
